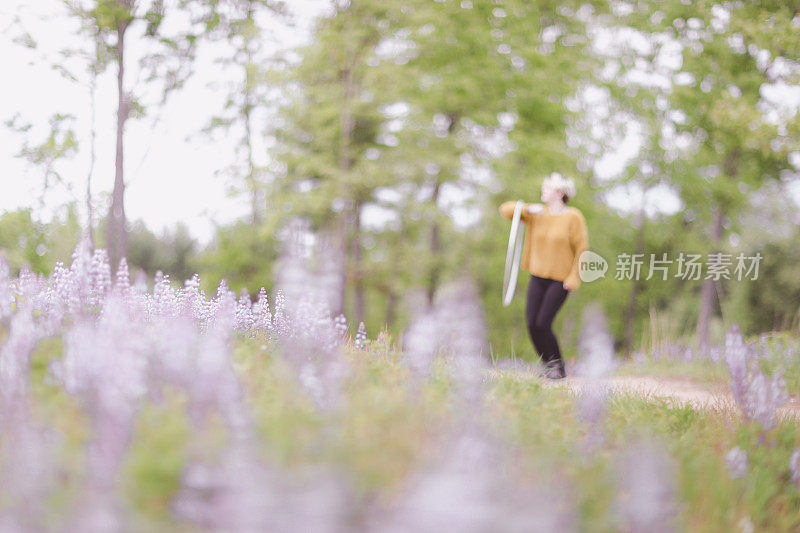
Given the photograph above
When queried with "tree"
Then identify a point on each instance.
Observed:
(721, 116)
(330, 129)
(242, 26)
(60, 143)
(163, 61)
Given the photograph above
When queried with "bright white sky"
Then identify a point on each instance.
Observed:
(170, 169)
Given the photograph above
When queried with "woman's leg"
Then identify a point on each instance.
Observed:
(533, 302)
(552, 300)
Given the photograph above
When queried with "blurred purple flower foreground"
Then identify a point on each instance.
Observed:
(121, 346)
(758, 396)
(124, 347)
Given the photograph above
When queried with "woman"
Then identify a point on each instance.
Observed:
(555, 237)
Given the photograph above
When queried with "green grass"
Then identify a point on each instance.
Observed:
(387, 428)
(703, 372)
(773, 359)
(698, 440)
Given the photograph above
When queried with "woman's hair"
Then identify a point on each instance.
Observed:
(563, 184)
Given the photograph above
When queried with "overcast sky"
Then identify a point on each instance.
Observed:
(170, 169)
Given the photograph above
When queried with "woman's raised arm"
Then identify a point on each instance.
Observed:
(528, 211)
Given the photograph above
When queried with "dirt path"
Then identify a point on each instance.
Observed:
(678, 392)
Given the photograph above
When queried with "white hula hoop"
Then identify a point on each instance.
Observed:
(515, 239)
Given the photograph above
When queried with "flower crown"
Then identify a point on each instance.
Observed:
(559, 182)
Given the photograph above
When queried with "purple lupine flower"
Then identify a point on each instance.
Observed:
(764, 397)
(361, 337)
(25, 283)
(223, 306)
(736, 461)
(15, 356)
(122, 280)
(280, 322)
(794, 466)
(173, 346)
(104, 365)
(188, 298)
(139, 282)
(244, 313)
(54, 290)
(30, 285)
(196, 303)
(597, 362)
(763, 338)
(308, 342)
(646, 498)
(736, 356)
(6, 297)
(421, 342)
(596, 345)
(166, 301)
(27, 454)
(715, 353)
(81, 270)
(421, 339)
(32, 472)
(262, 317)
(789, 352)
(758, 396)
(468, 486)
(464, 341)
(100, 276)
(340, 325)
(242, 493)
(688, 354)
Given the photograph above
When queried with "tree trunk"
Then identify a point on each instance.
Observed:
(117, 232)
(707, 294)
(345, 135)
(252, 181)
(435, 248)
(341, 243)
(391, 304)
(358, 282)
(630, 312)
(92, 158)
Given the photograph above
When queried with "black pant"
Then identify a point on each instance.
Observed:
(545, 297)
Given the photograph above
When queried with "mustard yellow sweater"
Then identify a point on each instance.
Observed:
(553, 243)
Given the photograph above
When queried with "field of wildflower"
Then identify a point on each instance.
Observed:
(129, 409)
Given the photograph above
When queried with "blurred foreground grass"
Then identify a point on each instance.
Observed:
(386, 429)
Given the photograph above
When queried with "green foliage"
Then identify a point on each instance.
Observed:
(156, 460)
(241, 25)
(776, 291)
(243, 255)
(60, 143)
(173, 252)
(27, 241)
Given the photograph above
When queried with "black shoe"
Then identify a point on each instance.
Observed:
(555, 369)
